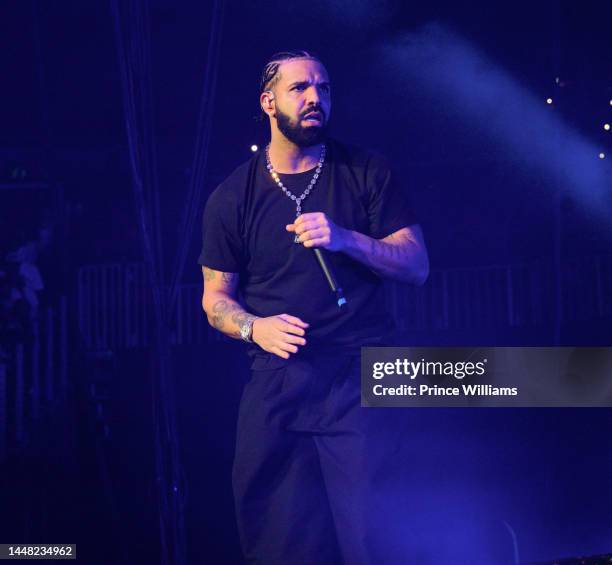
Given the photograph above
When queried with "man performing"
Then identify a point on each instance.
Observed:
(301, 473)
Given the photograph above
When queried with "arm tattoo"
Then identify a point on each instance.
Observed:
(222, 309)
(228, 277)
(239, 317)
(209, 274)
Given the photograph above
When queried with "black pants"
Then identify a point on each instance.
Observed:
(301, 472)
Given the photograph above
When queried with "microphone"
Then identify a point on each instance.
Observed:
(329, 275)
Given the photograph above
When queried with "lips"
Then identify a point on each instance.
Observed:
(314, 116)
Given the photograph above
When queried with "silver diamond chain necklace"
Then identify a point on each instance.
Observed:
(298, 199)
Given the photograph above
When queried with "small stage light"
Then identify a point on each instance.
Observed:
(254, 148)
(602, 155)
(549, 101)
(607, 127)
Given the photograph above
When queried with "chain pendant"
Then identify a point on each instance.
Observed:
(296, 239)
(298, 199)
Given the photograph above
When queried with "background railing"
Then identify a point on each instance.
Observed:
(483, 297)
(33, 378)
(114, 309)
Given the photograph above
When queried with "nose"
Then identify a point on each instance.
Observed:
(319, 91)
(313, 97)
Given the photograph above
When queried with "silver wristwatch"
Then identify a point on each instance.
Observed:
(246, 329)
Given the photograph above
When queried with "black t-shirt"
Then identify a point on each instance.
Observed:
(244, 232)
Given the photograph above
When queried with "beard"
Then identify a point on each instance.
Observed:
(299, 135)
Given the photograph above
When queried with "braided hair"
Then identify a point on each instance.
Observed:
(270, 75)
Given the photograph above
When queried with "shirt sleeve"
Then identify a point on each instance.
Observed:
(221, 239)
(389, 207)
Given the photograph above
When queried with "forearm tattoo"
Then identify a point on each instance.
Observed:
(239, 317)
(223, 309)
(220, 311)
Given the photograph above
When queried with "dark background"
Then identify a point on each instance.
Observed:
(84, 471)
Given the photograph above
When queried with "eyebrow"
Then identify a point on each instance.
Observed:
(307, 82)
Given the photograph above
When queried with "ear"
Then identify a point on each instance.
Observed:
(267, 102)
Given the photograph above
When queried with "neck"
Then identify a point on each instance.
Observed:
(287, 157)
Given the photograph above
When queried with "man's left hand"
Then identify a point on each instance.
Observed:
(315, 229)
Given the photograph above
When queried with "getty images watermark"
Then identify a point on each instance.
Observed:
(458, 370)
(502, 376)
